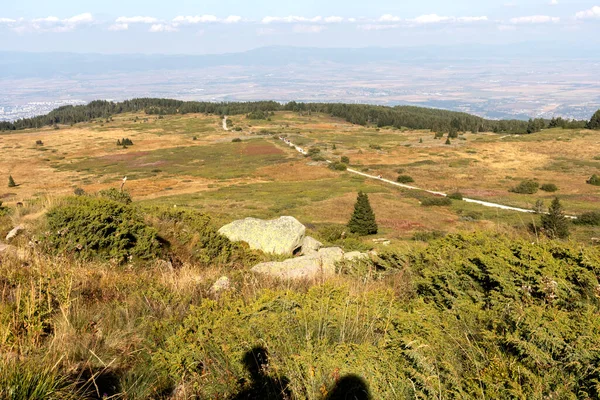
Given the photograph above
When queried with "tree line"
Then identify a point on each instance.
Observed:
(411, 117)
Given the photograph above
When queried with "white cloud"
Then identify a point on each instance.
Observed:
(162, 28)
(351, 19)
(85, 18)
(436, 19)
(232, 19)
(290, 19)
(50, 19)
(333, 20)
(592, 13)
(553, 2)
(535, 19)
(308, 28)
(7, 21)
(136, 20)
(118, 27)
(197, 19)
(51, 23)
(389, 18)
(377, 27)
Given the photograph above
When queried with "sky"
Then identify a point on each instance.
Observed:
(222, 26)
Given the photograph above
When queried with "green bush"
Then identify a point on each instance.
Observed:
(455, 196)
(192, 236)
(427, 236)
(338, 166)
(25, 381)
(594, 180)
(116, 195)
(405, 179)
(345, 160)
(236, 140)
(11, 182)
(436, 202)
(591, 218)
(549, 187)
(526, 187)
(95, 227)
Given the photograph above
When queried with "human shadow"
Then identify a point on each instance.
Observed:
(350, 387)
(262, 386)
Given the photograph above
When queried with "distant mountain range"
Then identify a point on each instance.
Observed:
(23, 65)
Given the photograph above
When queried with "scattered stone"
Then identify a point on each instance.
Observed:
(221, 284)
(304, 267)
(12, 234)
(596, 240)
(356, 255)
(310, 245)
(279, 236)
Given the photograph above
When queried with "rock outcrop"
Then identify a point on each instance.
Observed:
(310, 245)
(220, 285)
(321, 262)
(279, 236)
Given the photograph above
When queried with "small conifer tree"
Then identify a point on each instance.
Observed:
(448, 141)
(362, 221)
(11, 182)
(555, 223)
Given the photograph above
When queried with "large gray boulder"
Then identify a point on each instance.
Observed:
(309, 266)
(279, 236)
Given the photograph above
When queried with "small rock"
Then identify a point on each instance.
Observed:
(221, 284)
(163, 264)
(310, 245)
(12, 234)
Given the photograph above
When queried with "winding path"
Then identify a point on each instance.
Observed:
(353, 171)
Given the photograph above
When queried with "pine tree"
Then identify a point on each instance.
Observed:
(11, 182)
(448, 141)
(555, 223)
(595, 121)
(362, 221)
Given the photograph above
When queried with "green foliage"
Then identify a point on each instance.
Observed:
(448, 141)
(338, 166)
(405, 179)
(555, 224)
(124, 142)
(96, 227)
(594, 180)
(25, 381)
(594, 121)
(11, 182)
(258, 114)
(115, 195)
(345, 160)
(236, 140)
(591, 218)
(362, 221)
(455, 196)
(78, 191)
(436, 202)
(549, 187)
(427, 236)
(39, 143)
(192, 236)
(526, 187)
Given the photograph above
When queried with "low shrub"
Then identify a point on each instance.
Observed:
(526, 187)
(405, 179)
(549, 187)
(338, 166)
(455, 196)
(236, 140)
(192, 236)
(436, 202)
(427, 236)
(345, 160)
(116, 195)
(97, 227)
(591, 218)
(594, 180)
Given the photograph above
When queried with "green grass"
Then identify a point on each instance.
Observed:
(272, 199)
(217, 161)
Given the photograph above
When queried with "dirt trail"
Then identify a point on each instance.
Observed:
(225, 123)
(353, 171)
